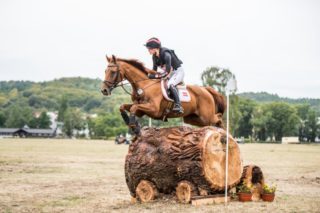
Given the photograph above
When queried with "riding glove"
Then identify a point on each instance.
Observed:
(152, 76)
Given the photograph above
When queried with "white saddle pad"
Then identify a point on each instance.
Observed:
(184, 94)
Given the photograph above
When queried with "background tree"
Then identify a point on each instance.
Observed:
(2, 119)
(261, 120)
(62, 108)
(311, 126)
(18, 116)
(234, 114)
(246, 108)
(107, 125)
(72, 121)
(3, 100)
(216, 77)
(275, 120)
(285, 120)
(302, 111)
(43, 122)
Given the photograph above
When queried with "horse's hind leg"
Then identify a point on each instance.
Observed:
(195, 120)
(218, 121)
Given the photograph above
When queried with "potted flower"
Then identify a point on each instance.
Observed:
(268, 192)
(244, 193)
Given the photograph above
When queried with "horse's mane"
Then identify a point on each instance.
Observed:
(137, 64)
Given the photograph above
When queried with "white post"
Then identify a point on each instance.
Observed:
(227, 153)
(231, 87)
(150, 122)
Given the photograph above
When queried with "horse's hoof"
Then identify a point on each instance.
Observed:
(132, 125)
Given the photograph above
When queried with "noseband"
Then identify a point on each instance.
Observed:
(114, 83)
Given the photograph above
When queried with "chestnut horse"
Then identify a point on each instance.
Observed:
(205, 108)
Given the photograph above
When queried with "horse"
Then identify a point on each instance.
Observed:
(205, 108)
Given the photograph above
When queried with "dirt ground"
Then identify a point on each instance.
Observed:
(44, 175)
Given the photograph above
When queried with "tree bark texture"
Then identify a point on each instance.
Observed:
(169, 156)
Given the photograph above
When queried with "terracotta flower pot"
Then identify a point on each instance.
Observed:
(244, 197)
(268, 197)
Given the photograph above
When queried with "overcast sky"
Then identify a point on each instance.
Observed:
(271, 45)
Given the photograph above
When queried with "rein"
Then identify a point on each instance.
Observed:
(116, 84)
(122, 85)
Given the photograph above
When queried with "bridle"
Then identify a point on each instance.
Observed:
(114, 84)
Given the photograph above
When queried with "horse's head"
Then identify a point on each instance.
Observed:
(113, 76)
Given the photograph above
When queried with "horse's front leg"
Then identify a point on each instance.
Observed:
(123, 108)
(147, 108)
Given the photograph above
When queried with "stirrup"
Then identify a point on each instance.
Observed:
(177, 109)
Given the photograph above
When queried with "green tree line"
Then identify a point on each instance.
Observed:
(80, 104)
(269, 117)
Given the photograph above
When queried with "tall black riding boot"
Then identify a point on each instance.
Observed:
(177, 105)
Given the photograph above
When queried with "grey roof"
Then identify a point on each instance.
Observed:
(40, 131)
(31, 131)
(8, 130)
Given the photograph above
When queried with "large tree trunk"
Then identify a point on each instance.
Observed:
(181, 160)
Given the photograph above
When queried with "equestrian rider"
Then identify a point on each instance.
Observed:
(171, 64)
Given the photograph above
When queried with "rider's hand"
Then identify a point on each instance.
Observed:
(152, 76)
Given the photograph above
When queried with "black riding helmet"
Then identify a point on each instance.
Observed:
(153, 43)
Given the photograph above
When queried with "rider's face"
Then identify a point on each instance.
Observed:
(152, 51)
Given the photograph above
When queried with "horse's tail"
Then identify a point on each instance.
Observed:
(219, 99)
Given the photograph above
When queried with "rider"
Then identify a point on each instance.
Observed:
(167, 59)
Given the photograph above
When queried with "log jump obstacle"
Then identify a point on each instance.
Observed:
(181, 161)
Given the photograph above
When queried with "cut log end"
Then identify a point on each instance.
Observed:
(213, 163)
(146, 191)
(185, 191)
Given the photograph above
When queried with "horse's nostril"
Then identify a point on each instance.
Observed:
(104, 91)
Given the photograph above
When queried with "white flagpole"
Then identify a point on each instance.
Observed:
(231, 87)
(227, 152)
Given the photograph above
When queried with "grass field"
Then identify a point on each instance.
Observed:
(44, 175)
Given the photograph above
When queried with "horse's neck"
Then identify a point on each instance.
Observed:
(135, 76)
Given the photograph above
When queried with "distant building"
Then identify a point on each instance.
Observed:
(289, 140)
(27, 132)
(53, 119)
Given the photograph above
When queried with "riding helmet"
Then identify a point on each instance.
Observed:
(153, 43)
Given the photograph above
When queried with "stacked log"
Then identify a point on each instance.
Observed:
(253, 178)
(181, 160)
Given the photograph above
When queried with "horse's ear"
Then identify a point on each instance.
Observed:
(114, 59)
(108, 59)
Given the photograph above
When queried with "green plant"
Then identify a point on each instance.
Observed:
(267, 189)
(243, 188)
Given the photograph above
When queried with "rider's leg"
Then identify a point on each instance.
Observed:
(175, 79)
(177, 104)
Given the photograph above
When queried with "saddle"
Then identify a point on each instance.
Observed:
(184, 94)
